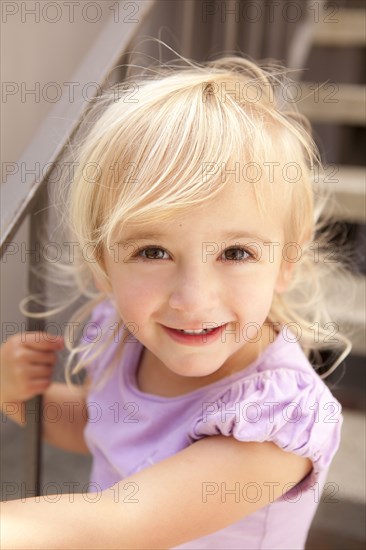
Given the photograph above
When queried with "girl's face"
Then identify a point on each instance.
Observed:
(216, 266)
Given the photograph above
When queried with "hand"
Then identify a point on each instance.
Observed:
(27, 362)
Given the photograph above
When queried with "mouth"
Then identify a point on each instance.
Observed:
(198, 331)
(195, 336)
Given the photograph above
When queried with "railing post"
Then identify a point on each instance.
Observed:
(33, 407)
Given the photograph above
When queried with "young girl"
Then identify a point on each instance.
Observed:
(201, 254)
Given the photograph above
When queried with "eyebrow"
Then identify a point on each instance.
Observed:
(229, 235)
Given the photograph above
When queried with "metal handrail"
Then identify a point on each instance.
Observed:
(110, 44)
(20, 198)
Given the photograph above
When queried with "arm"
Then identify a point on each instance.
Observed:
(68, 432)
(162, 506)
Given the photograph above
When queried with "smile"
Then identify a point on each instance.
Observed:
(194, 337)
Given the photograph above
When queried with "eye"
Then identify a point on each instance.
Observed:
(151, 253)
(236, 254)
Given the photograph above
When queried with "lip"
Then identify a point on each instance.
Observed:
(194, 339)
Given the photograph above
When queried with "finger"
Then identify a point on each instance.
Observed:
(43, 358)
(40, 371)
(41, 341)
(26, 357)
(39, 384)
(34, 387)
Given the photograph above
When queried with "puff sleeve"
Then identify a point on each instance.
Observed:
(293, 409)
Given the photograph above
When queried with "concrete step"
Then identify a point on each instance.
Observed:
(347, 470)
(351, 317)
(340, 28)
(330, 102)
(348, 183)
(339, 522)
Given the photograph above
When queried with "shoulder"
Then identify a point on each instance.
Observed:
(100, 338)
(102, 313)
(289, 407)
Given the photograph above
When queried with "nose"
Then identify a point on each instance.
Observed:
(195, 291)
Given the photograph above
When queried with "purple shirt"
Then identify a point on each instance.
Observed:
(278, 398)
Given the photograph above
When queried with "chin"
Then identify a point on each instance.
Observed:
(194, 371)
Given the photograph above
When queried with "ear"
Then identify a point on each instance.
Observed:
(284, 276)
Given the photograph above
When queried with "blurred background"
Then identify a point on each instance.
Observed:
(56, 56)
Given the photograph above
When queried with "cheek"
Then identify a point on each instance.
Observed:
(252, 296)
(135, 297)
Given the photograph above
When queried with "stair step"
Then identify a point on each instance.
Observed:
(351, 317)
(345, 27)
(350, 481)
(332, 102)
(348, 184)
(339, 522)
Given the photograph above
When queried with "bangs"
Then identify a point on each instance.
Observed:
(183, 148)
(180, 144)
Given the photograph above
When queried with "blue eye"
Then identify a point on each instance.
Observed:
(236, 254)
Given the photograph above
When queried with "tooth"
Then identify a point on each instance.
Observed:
(203, 331)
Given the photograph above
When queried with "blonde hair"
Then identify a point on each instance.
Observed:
(140, 160)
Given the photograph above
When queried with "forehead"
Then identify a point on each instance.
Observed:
(234, 210)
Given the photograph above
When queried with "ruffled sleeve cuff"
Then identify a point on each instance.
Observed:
(293, 409)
